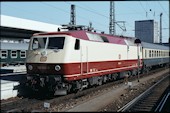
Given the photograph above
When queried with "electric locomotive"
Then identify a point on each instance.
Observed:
(62, 62)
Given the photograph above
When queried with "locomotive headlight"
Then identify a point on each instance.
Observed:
(57, 68)
(30, 67)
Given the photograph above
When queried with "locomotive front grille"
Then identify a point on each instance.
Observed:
(38, 68)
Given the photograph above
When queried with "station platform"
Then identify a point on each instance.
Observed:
(9, 83)
(7, 89)
(12, 69)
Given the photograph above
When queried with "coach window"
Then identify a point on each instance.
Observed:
(4, 54)
(149, 53)
(157, 53)
(13, 54)
(77, 44)
(145, 53)
(154, 53)
(22, 54)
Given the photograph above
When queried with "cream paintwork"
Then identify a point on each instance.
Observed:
(33, 56)
(90, 51)
(100, 51)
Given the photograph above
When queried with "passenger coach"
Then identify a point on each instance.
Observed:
(13, 53)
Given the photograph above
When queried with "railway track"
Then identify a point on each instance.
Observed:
(27, 105)
(163, 105)
(148, 100)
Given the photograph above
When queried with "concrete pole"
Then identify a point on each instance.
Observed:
(138, 60)
(161, 28)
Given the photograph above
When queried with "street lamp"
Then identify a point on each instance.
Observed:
(137, 41)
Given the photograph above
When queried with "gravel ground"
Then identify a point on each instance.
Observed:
(128, 96)
(120, 100)
(107, 99)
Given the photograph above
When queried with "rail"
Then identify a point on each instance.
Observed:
(141, 96)
(17, 73)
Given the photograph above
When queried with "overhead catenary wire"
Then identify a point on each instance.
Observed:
(85, 19)
(77, 15)
(143, 8)
(89, 10)
(163, 9)
(94, 12)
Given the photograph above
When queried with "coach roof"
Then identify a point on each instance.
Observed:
(14, 46)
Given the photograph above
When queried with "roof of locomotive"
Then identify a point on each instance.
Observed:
(86, 35)
(123, 40)
(14, 46)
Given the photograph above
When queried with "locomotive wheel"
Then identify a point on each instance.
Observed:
(100, 81)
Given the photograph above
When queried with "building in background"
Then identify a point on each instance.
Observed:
(147, 30)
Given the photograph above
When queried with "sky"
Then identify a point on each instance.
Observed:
(96, 12)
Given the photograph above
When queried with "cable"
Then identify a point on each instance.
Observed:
(55, 7)
(163, 8)
(78, 15)
(143, 8)
(89, 10)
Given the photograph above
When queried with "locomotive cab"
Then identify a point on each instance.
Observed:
(45, 62)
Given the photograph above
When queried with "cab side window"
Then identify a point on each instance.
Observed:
(77, 44)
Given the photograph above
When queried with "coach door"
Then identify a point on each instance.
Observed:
(84, 59)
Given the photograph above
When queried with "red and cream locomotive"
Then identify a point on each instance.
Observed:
(60, 62)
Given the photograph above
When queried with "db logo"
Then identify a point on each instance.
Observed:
(43, 58)
(119, 56)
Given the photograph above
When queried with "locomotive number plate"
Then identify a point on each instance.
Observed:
(42, 67)
(43, 59)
